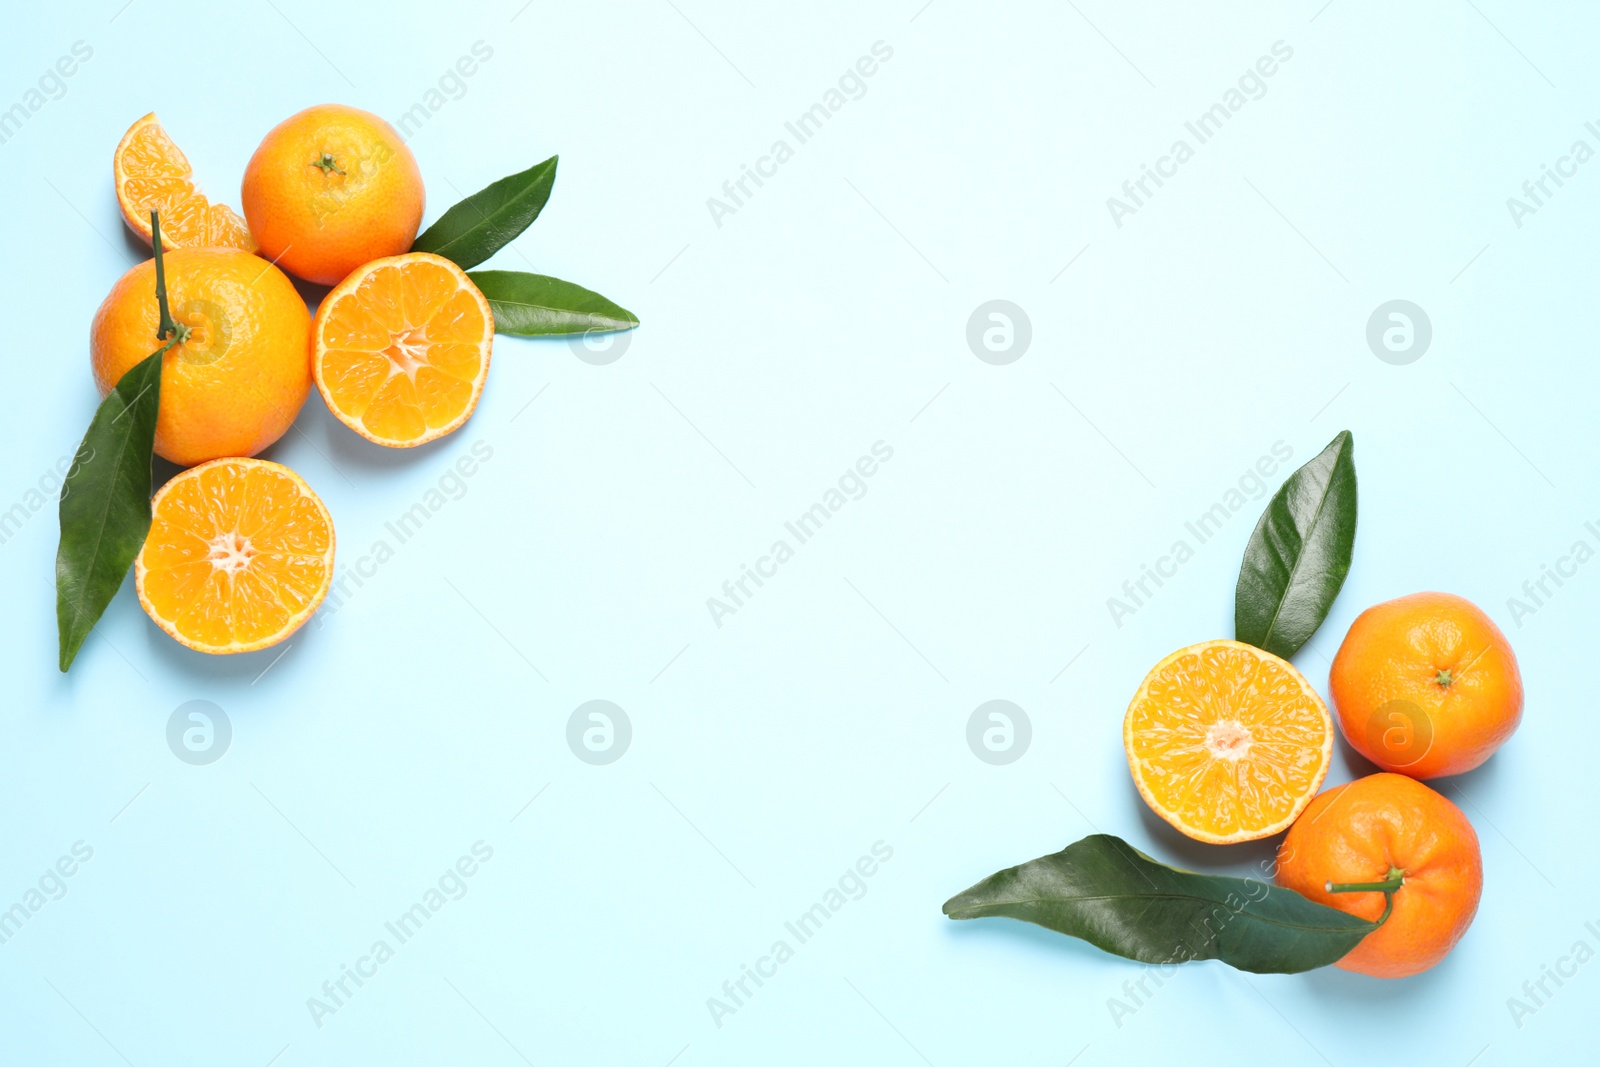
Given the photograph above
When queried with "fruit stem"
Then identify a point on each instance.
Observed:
(166, 328)
(175, 339)
(1444, 678)
(327, 163)
(1388, 887)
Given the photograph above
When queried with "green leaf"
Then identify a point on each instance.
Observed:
(1106, 892)
(534, 305)
(105, 503)
(1299, 554)
(490, 218)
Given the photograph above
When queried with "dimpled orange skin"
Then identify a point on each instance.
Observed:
(234, 387)
(316, 222)
(1357, 832)
(1397, 650)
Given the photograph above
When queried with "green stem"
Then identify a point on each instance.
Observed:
(1388, 887)
(175, 339)
(166, 328)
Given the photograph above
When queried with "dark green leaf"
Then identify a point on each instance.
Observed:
(534, 305)
(105, 503)
(1299, 554)
(490, 218)
(1106, 892)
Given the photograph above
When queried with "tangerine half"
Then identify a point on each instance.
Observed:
(1227, 742)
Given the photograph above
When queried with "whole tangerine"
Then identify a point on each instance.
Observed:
(242, 370)
(329, 189)
(1392, 830)
(1426, 685)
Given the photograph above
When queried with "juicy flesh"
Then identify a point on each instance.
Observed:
(235, 555)
(1228, 742)
(155, 174)
(405, 351)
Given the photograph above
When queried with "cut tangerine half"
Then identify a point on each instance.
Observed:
(400, 349)
(1227, 742)
(152, 173)
(240, 553)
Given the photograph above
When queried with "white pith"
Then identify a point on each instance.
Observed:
(230, 553)
(407, 352)
(1229, 739)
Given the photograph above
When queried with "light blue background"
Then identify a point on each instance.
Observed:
(830, 712)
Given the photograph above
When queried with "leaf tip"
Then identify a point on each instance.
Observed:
(68, 653)
(959, 902)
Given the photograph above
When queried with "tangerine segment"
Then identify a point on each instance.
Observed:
(152, 172)
(240, 553)
(400, 349)
(1227, 742)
